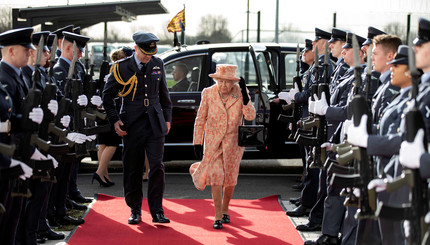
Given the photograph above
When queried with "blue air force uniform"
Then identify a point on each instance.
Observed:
(144, 112)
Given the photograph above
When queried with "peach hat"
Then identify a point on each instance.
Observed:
(226, 72)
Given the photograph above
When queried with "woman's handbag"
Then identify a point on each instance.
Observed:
(251, 135)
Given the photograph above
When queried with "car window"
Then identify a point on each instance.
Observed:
(290, 68)
(184, 75)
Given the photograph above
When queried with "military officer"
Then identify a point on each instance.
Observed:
(27, 71)
(337, 40)
(60, 36)
(143, 122)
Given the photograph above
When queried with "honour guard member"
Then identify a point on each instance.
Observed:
(336, 42)
(143, 122)
(60, 37)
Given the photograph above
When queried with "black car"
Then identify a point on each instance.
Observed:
(267, 69)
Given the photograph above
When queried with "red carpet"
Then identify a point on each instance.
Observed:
(260, 221)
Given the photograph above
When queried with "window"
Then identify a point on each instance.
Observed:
(184, 75)
(290, 68)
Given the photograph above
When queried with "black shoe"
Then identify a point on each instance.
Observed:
(295, 200)
(80, 198)
(134, 219)
(53, 223)
(67, 220)
(50, 235)
(309, 227)
(325, 239)
(297, 187)
(299, 211)
(109, 182)
(160, 218)
(40, 239)
(101, 182)
(225, 218)
(70, 204)
(217, 224)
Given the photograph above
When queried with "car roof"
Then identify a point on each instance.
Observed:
(204, 48)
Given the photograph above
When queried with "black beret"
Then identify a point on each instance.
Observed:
(50, 40)
(337, 35)
(401, 55)
(308, 45)
(371, 33)
(81, 41)
(59, 32)
(146, 41)
(423, 32)
(348, 43)
(21, 36)
(320, 34)
(35, 38)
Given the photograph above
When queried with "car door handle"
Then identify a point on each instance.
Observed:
(187, 101)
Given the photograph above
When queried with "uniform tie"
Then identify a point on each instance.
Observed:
(143, 69)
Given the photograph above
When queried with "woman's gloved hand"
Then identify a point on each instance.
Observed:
(198, 151)
(244, 91)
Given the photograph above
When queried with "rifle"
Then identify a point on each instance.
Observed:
(48, 94)
(7, 150)
(320, 154)
(29, 131)
(418, 206)
(358, 107)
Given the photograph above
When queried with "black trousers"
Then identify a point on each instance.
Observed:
(9, 220)
(139, 139)
(309, 193)
(59, 191)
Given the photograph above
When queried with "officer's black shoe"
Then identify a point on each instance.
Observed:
(324, 240)
(160, 218)
(40, 239)
(295, 200)
(309, 227)
(67, 220)
(53, 223)
(80, 198)
(70, 204)
(51, 235)
(134, 219)
(299, 211)
(217, 224)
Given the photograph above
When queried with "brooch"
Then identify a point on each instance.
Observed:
(234, 96)
(156, 68)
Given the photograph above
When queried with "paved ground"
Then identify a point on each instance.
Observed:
(259, 178)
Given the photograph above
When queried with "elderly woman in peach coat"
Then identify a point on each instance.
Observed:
(221, 110)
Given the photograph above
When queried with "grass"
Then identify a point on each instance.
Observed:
(75, 214)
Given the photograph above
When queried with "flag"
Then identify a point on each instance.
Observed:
(177, 24)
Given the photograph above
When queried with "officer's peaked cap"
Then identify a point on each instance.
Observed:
(401, 55)
(371, 33)
(348, 43)
(337, 35)
(59, 32)
(146, 41)
(21, 36)
(80, 40)
(423, 32)
(320, 34)
(35, 38)
(308, 45)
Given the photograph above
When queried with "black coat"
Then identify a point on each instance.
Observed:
(151, 96)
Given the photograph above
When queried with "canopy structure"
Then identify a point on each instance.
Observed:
(84, 15)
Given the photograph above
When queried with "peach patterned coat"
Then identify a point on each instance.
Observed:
(218, 126)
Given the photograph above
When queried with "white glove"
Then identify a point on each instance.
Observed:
(37, 155)
(328, 146)
(380, 185)
(54, 161)
(285, 96)
(36, 115)
(311, 106)
(96, 100)
(76, 137)
(65, 121)
(358, 135)
(293, 92)
(427, 218)
(407, 228)
(53, 107)
(410, 153)
(28, 172)
(91, 137)
(356, 192)
(321, 104)
(82, 100)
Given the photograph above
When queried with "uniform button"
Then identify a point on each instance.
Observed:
(6, 98)
(146, 94)
(146, 85)
(158, 79)
(144, 76)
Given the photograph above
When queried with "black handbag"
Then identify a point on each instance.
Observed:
(251, 135)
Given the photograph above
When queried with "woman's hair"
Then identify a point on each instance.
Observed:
(117, 55)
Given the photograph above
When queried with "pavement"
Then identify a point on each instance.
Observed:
(258, 178)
